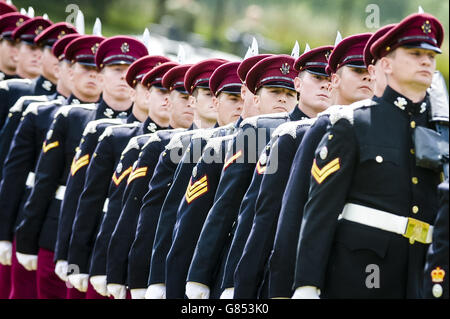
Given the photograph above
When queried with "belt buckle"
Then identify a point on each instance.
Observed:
(416, 230)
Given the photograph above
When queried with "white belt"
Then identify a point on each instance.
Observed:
(30, 180)
(105, 206)
(60, 192)
(411, 228)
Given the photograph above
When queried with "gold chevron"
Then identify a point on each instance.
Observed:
(197, 189)
(48, 147)
(118, 180)
(260, 169)
(139, 172)
(76, 165)
(321, 174)
(232, 159)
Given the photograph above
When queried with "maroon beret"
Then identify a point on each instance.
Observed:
(368, 57)
(274, 71)
(199, 74)
(348, 52)
(154, 77)
(418, 30)
(119, 50)
(314, 61)
(82, 49)
(9, 22)
(225, 79)
(140, 67)
(248, 63)
(7, 8)
(174, 78)
(54, 33)
(29, 30)
(60, 46)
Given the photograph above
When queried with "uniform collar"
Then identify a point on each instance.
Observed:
(104, 110)
(45, 85)
(238, 122)
(193, 127)
(296, 114)
(403, 103)
(151, 127)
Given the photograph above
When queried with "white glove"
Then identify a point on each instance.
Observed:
(117, 291)
(156, 291)
(99, 284)
(61, 269)
(5, 252)
(79, 281)
(138, 293)
(29, 262)
(227, 293)
(306, 292)
(195, 290)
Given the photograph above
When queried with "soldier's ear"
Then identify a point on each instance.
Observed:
(215, 102)
(386, 65)
(335, 80)
(297, 84)
(192, 100)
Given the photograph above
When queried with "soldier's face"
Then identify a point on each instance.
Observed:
(114, 83)
(85, 81)
(229, 108)
(63, 74)
(352, 85)
(30, 58)
(159, 103)
(203, 105)
(141, 98)
(181, 111)
(9, 54)
(313, 91)
(378, 77)
(410, 67)
(250, 108)
(49, 64)
(275, 100)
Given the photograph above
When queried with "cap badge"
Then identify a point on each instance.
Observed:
(61, 34)
(426, 27)
(19, 22)
(39, 30)
(95, 48)
(327, 55)
(401, 102)
(438, 274)
(285, 68)
(125, 48)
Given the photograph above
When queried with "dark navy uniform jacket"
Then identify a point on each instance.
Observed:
(168, 212)
(255, 229)
(39, 227)
(370, 156)
(75, 181)
(281, 265)
(11, 90)
(21, 162)
(112, 213)
(114, 263)
(14, 118)
(236, 176)
(4, 76)
(149, 163)
(97, 187)
(436, 267)
(194, 207)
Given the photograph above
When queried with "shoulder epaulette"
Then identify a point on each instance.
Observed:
(290, 128)
(133, 143)
(109, 131)
(91, 127)
(176, 140)
(347, 111)
(253, 121)
(4, 85)
(203, 133)
(18, 106)
(64, 110)
(33, 107)
(216, 142)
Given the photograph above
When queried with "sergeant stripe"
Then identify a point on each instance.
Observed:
(48, 147)
(197, 189)
(232, 159)
(321, 174)
(76, 165)
(260, 169)
(118, 180)
(139, 172)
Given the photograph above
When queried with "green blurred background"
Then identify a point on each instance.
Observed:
(230, 25)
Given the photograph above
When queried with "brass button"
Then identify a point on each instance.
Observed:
(415, 209)
(379, 159)
(413, 124)
(412, 151)
(415, 180)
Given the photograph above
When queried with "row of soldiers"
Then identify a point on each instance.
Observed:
(128, 175)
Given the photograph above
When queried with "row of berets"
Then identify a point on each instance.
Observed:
(126, 175)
